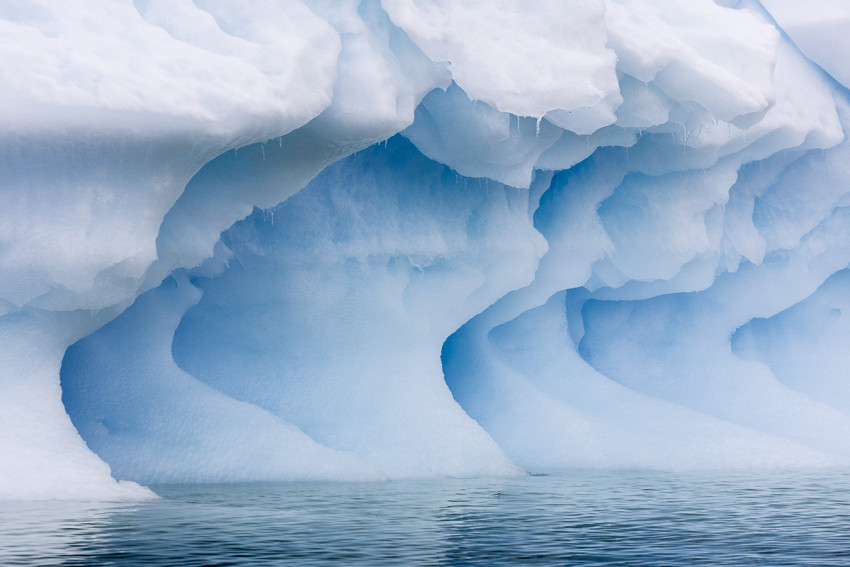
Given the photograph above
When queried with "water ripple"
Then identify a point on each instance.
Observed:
(570, 518)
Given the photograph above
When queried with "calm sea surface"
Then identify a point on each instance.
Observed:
(579, 517)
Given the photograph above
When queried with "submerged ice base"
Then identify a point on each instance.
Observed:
(382, 239)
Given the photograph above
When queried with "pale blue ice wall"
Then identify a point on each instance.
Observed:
(326, 314)
(308, 347)
(639, 371)
(633, 182)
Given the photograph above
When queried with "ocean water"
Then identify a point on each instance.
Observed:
(569, 518)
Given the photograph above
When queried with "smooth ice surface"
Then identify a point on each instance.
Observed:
(392, 238)
(819, 29)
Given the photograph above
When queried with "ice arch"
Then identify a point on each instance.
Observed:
(324, 316)
(591, 212)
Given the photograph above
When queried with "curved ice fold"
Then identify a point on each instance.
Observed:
(588, 201)
(803, 345)
(154, 423)
(355, 367)
(477, 140)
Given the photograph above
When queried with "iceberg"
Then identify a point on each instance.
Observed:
(371, 239)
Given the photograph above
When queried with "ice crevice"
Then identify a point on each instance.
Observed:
(386, 239)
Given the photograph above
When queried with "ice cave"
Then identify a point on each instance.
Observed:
(383, 239)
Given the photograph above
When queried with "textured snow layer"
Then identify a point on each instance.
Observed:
(610, 234)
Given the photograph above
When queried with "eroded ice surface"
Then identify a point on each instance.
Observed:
(401, 238)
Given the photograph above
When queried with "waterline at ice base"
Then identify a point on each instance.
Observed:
(385, 239)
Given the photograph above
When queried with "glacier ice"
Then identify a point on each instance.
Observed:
(370, 239)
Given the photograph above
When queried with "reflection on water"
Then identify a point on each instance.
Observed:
(612, 518)
(41, 533)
